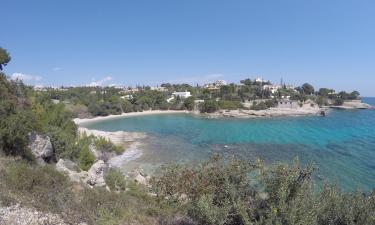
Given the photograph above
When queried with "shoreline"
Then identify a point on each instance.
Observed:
(80, 122)
(267, 113)
(131, 141)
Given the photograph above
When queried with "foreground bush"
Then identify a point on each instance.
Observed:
(45, 189)
(235, 192)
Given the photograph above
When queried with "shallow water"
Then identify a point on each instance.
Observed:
(342, 144)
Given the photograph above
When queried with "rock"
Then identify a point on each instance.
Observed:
(72, 171)
(97, 173)
(94, 151)
(17, 215)
(139, 177)
(101, 155)
(353, 104)
(41, 147)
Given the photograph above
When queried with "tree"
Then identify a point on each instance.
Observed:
(4, 58)
(189, 103)
(354, 95)
(325, 91)
(307, 89)
(210, 106)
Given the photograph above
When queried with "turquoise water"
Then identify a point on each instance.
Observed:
(342, 144)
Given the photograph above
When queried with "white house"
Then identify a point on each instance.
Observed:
(287, 104)
(127, 97)
(216, 84)
(182, 94)
(272, 88)
(261, 80)
(162, 89)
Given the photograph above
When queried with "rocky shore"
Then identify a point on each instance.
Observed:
(271, 112)
(354, 104)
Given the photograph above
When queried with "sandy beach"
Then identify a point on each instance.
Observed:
(80, 122)
(131, 141)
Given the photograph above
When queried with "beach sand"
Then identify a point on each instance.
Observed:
(80, 122)
(131, 141)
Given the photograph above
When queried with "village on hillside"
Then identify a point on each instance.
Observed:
(248, 98)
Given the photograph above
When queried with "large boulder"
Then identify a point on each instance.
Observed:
(101, 155)
(72, 171)
(139, 177)
(97, 173)
(41, 147)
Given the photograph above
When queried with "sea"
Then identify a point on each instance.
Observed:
(340, 145)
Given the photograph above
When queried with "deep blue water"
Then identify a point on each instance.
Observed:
(341, 145)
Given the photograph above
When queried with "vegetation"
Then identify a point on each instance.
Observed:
(115, 180)
(221, 191)
(209, 106)
(4, 58)
(46, 190)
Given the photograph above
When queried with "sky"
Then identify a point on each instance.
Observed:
(328, 43)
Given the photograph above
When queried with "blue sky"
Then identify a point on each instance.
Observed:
(326, 43)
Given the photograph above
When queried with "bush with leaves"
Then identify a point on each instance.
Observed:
(229, 191)
(115, 180)
(86, 159)
(104, 145)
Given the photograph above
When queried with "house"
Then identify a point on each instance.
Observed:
(215, 85)
(287, 104)
(182, 94)
(162, 89)
(127, 97)
(272, 88)
(261, 80)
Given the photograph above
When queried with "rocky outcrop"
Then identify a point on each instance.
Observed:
(16, 215)
(139, 177)
(72, 171)
(271, 112)
(41, 147)
(101, 155)
(97, 173)
(95, 177)
(353, 104)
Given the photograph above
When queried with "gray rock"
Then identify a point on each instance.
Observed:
(101, 155)
(72, 171)
(139, 177)
(97, 173)
(17, 215)
(41, 147)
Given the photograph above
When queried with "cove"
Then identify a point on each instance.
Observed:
(341, 145)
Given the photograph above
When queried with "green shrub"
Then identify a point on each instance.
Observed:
(338, 101)
(229, 191)
(259, 106)
(86, 159)
(209, 106)
(115, 180)
(14, 134)
(226, 104)
(189, 103)
(104, 145)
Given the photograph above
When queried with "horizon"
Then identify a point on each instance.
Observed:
(326, 44)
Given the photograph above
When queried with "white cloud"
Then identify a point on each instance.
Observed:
(25, 77)
(56, 69)
(102, 82)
